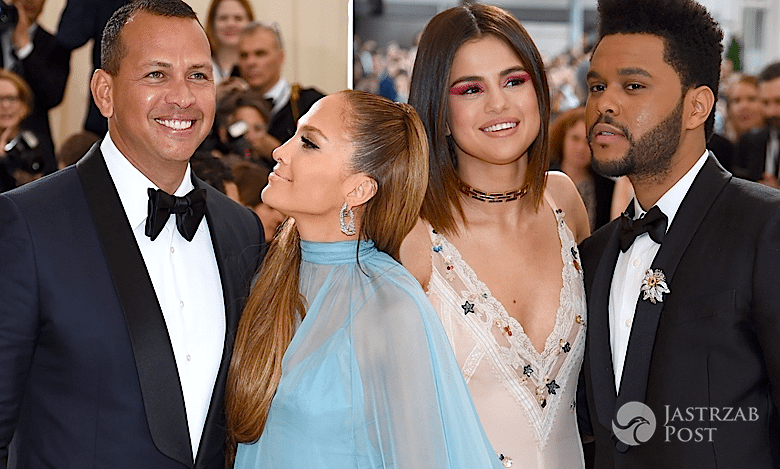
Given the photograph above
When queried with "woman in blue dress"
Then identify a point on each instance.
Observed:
(340, 361)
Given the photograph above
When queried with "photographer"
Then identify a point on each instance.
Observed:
(240, 128)
(31, 52)
(21, 159)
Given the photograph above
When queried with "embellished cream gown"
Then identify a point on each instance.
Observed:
(525, 400)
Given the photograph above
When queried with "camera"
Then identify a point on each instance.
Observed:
(23, 152)
(9, 16)
(237, 140)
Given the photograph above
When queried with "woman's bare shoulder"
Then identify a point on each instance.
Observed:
(416, 253)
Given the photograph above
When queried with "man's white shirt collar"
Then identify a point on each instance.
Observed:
(280, 93)
(131, 184)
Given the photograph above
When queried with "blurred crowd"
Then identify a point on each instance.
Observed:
(257, 108)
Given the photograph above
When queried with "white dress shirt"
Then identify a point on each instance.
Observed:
(631, 267)
(772, 151)
(186, 280)
(280, 93)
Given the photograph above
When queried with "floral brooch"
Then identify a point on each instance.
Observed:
(654, 286)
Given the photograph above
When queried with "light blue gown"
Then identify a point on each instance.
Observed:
(369, 379)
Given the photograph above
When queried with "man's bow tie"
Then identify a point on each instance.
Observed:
(189, 212)
(653, 223)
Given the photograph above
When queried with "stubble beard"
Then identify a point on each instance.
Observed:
(650, 157)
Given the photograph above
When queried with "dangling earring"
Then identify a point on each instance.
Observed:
(347, 228)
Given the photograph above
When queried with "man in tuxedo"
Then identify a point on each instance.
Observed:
(116, 323)
(260, 60)
(32, 53)
(759, 150)
(682, 362)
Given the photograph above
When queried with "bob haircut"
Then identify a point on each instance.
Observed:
(442, 38)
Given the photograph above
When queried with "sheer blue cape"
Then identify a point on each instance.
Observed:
(369, 379)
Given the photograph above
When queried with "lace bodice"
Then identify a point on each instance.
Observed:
(525, 399)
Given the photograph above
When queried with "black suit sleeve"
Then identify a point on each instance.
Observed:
(46, 70)
(766, 299)
(18, 316)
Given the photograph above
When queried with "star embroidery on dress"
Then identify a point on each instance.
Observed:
(654, 286)
(467, 307)
(552, 386)
(527, 370)
(575, 259)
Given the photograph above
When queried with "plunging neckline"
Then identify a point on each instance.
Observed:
(523, 339)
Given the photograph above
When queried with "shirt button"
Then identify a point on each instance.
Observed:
(635, 262)
(628, 323)
(181, 304)
(189, 358)
(173, 250)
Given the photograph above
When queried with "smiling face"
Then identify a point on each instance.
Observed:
(311, 177)
(160, 105)
(12, 109)
(230, 19)
(634, 108)
(493, 112)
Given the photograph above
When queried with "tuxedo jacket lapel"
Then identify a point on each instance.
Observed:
(599, 349)
(155, 362)
(697, 202)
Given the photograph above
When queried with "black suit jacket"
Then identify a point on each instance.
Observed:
(714, 341)
(88, 373)
(282, 124)
(751, 154)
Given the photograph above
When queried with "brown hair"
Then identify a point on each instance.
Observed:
(744, 79)
(442, 38)
(390, 146)
(558, 130)
(22, 88)
(212, 16)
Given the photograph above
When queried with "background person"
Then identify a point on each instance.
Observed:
(569, 152)
(260, 60)
(224, 22)
(22, 155)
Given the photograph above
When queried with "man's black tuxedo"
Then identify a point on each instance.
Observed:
(714, 341)
(751, 154)
(88, 373)
(283, 124)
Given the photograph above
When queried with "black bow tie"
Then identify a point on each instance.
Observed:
(189, 212)
(653, 223)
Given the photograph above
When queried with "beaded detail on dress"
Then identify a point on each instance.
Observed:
(540, 383)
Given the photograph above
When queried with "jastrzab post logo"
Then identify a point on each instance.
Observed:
(634, 423)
